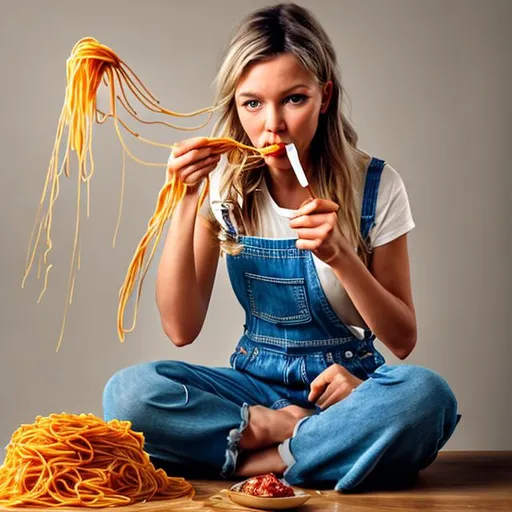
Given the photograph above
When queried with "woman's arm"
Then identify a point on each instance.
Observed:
(381, 294)
(187, 268)
(186, 273)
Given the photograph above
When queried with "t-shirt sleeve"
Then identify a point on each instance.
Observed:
(393, 217)
(214, 193)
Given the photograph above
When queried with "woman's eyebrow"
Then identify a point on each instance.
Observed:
(249, 94)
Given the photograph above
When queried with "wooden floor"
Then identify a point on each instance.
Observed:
(455, 482)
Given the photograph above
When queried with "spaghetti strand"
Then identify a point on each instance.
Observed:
(89, 65)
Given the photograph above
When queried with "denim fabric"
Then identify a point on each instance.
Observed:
(192, 415)
(394, 423)
(189, 414)
(371, 192)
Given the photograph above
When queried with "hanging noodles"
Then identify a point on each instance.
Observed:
(90, 64)
(80, 460)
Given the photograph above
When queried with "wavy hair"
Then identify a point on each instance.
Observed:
(338, 166)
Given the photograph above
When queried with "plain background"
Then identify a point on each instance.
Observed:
(429, 87)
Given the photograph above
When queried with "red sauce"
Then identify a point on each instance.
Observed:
(267, 486)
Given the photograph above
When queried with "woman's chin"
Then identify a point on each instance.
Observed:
(279, 163)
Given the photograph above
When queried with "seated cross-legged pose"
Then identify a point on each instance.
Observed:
(320, 277)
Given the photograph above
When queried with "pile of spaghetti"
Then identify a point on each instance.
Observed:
(89, 65)
(80, 460)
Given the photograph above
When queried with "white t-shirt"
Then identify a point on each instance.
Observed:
(393, 219)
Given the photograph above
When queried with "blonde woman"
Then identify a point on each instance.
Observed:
(307, 395)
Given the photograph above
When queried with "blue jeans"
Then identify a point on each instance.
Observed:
(193, 415)
(396, 421)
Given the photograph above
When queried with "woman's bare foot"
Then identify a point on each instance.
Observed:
(261, 462)
(269, 427)
(298, 412)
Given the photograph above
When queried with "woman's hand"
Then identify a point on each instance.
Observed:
(317, 227)
(333, 385)
(191, 160)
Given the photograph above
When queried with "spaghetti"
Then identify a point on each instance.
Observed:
(80, 460)
(89, 65)
(170, 194)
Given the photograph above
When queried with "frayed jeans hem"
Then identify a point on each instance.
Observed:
(233, 439)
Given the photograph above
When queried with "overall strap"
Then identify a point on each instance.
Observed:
(371, 192)
(369, 207)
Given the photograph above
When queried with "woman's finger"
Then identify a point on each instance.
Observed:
(191, 158)
(311, 221)
(318, 206)
(319, 233)
(322, 380)
(317, 387)
(337, 390)
(326, 396)
(202, 164)
(198, 176)
(334, 398)
(184, 146)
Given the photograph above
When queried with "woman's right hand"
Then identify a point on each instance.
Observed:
(191, 160)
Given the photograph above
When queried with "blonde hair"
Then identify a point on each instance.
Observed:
(338, 165)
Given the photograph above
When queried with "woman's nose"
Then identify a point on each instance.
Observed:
(274, 121)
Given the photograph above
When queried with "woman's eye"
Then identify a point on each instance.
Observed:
(296, 99)
(252, 104)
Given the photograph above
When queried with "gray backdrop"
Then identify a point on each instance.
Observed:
(429, 84)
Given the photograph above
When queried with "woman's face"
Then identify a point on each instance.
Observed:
(280, 101)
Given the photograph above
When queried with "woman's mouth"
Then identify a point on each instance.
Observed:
(278, 152)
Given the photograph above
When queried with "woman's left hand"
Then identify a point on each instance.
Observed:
(317, 227)
(332, 385)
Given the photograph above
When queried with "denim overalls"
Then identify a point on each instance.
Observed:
(192, 415)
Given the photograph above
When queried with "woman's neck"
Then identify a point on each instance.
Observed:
(285, 189)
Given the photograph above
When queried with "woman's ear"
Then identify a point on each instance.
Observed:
(326, 97)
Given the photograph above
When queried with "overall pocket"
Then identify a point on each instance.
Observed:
(241, 357)
(262, 363)
(369, 358)
(280, 301)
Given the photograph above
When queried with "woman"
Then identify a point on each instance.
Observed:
(307, 394)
